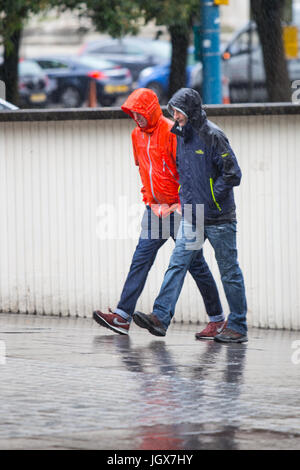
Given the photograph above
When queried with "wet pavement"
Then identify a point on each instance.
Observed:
(67, 383)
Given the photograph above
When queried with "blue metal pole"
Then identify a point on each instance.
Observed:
(211, 58)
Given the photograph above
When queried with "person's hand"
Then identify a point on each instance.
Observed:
(164, 210)
(156, 209)
(178, 209)
(168, 210)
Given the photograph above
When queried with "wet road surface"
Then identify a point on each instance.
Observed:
(67, 383)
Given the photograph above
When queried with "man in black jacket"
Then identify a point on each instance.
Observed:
(208, 171)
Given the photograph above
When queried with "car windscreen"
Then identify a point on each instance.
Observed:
(52, 64)
(94, 62)
(29, 67)
(158, 48)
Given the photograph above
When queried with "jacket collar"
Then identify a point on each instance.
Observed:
(186, 131)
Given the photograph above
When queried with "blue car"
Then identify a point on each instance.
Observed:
(157, 78)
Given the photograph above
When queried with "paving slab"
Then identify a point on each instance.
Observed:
(68, 383)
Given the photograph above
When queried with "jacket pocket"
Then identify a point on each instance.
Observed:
(216, 204)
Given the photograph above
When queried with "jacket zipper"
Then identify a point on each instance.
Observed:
(165, 165)
(150, 169)
(211, 181)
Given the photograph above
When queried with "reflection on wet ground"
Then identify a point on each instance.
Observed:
(68, 383)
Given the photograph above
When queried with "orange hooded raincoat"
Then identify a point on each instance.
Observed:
(154, 148)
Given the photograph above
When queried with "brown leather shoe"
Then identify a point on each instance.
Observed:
(150, 322)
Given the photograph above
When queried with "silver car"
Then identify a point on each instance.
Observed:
(242, 64)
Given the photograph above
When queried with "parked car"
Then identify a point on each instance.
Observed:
(6, 106)
(33, 84)
(242, 58)
(71, 77)
(134, 53)
(157, 78)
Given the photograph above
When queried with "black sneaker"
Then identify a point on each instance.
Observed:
(230, 336)
(150, 322)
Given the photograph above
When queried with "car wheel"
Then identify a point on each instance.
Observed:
(158, 90)
(70, 97)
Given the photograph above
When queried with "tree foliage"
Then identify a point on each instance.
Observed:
(115, 17)
(13, 13)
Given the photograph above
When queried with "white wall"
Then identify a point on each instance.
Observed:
(57, 180)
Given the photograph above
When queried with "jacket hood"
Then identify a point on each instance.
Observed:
(145, 102)
(189, 102)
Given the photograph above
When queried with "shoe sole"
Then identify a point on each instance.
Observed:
(104, 323)
(204, 337)
(142, 323)
(223, 340)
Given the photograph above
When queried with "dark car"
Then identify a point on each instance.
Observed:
(70, 79)
(33, 85)
(133, 53)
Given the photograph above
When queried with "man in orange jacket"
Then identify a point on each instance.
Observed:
(154, 149)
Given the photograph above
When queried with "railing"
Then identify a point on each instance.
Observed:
(70, 210)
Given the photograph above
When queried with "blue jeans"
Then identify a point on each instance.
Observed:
(144, 256)
(223, 240)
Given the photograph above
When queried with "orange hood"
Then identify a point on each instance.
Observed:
(144, 102)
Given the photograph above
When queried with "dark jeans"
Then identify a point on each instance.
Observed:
(144, 256)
